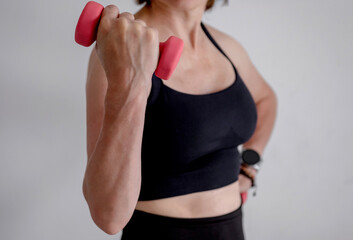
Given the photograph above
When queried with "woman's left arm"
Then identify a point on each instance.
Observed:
(266, 105)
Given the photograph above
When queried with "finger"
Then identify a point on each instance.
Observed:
(110, 12)
(252, 171)
(140, 22)
(127, 15)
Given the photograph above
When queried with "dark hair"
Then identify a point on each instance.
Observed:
(208, 5)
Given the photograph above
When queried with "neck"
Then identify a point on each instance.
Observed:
(171, 19)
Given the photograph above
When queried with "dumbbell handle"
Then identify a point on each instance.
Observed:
(86, 34)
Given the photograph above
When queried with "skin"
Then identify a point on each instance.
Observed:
(182, 19)
(117, 88)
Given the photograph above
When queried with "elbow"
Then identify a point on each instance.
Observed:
(274, 96)
(110, 228)
(106, 218)
(272, 99)
(108, 221)
(275, 101)
(107, 225)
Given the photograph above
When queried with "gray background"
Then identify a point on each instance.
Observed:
(302, 48)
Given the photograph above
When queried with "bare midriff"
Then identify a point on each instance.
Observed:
(208, 203)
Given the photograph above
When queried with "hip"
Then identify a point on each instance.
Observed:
(144, 225)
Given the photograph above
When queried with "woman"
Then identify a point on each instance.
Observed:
(162, 155)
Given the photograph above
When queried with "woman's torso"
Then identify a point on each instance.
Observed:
(207, 71)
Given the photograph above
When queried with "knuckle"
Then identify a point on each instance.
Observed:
(127, 15)
(151, 34)
(105, 25)
(111, 7)
(138, 27)
(130, 16)
(122, 23)
(141, 22)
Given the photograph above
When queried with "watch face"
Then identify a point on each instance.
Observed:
(250, 157)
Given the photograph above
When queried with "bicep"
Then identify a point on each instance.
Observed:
(96, 87)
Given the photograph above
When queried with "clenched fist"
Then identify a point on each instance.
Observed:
(127, 49)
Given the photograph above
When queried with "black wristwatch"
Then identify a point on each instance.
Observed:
(251, 158)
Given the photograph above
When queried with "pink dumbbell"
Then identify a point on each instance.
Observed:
(86, 34)
(244, 196)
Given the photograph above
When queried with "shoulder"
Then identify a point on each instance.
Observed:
(230, 45)
(256, 84)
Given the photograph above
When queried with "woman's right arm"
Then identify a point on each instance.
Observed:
(117, 89)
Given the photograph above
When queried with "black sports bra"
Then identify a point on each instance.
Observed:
(190, 141)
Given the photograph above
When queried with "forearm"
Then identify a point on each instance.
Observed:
(112, 179)
(266, 112)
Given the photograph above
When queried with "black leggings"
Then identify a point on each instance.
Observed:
(143, 225)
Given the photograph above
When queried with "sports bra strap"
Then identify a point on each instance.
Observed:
(217, 46)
